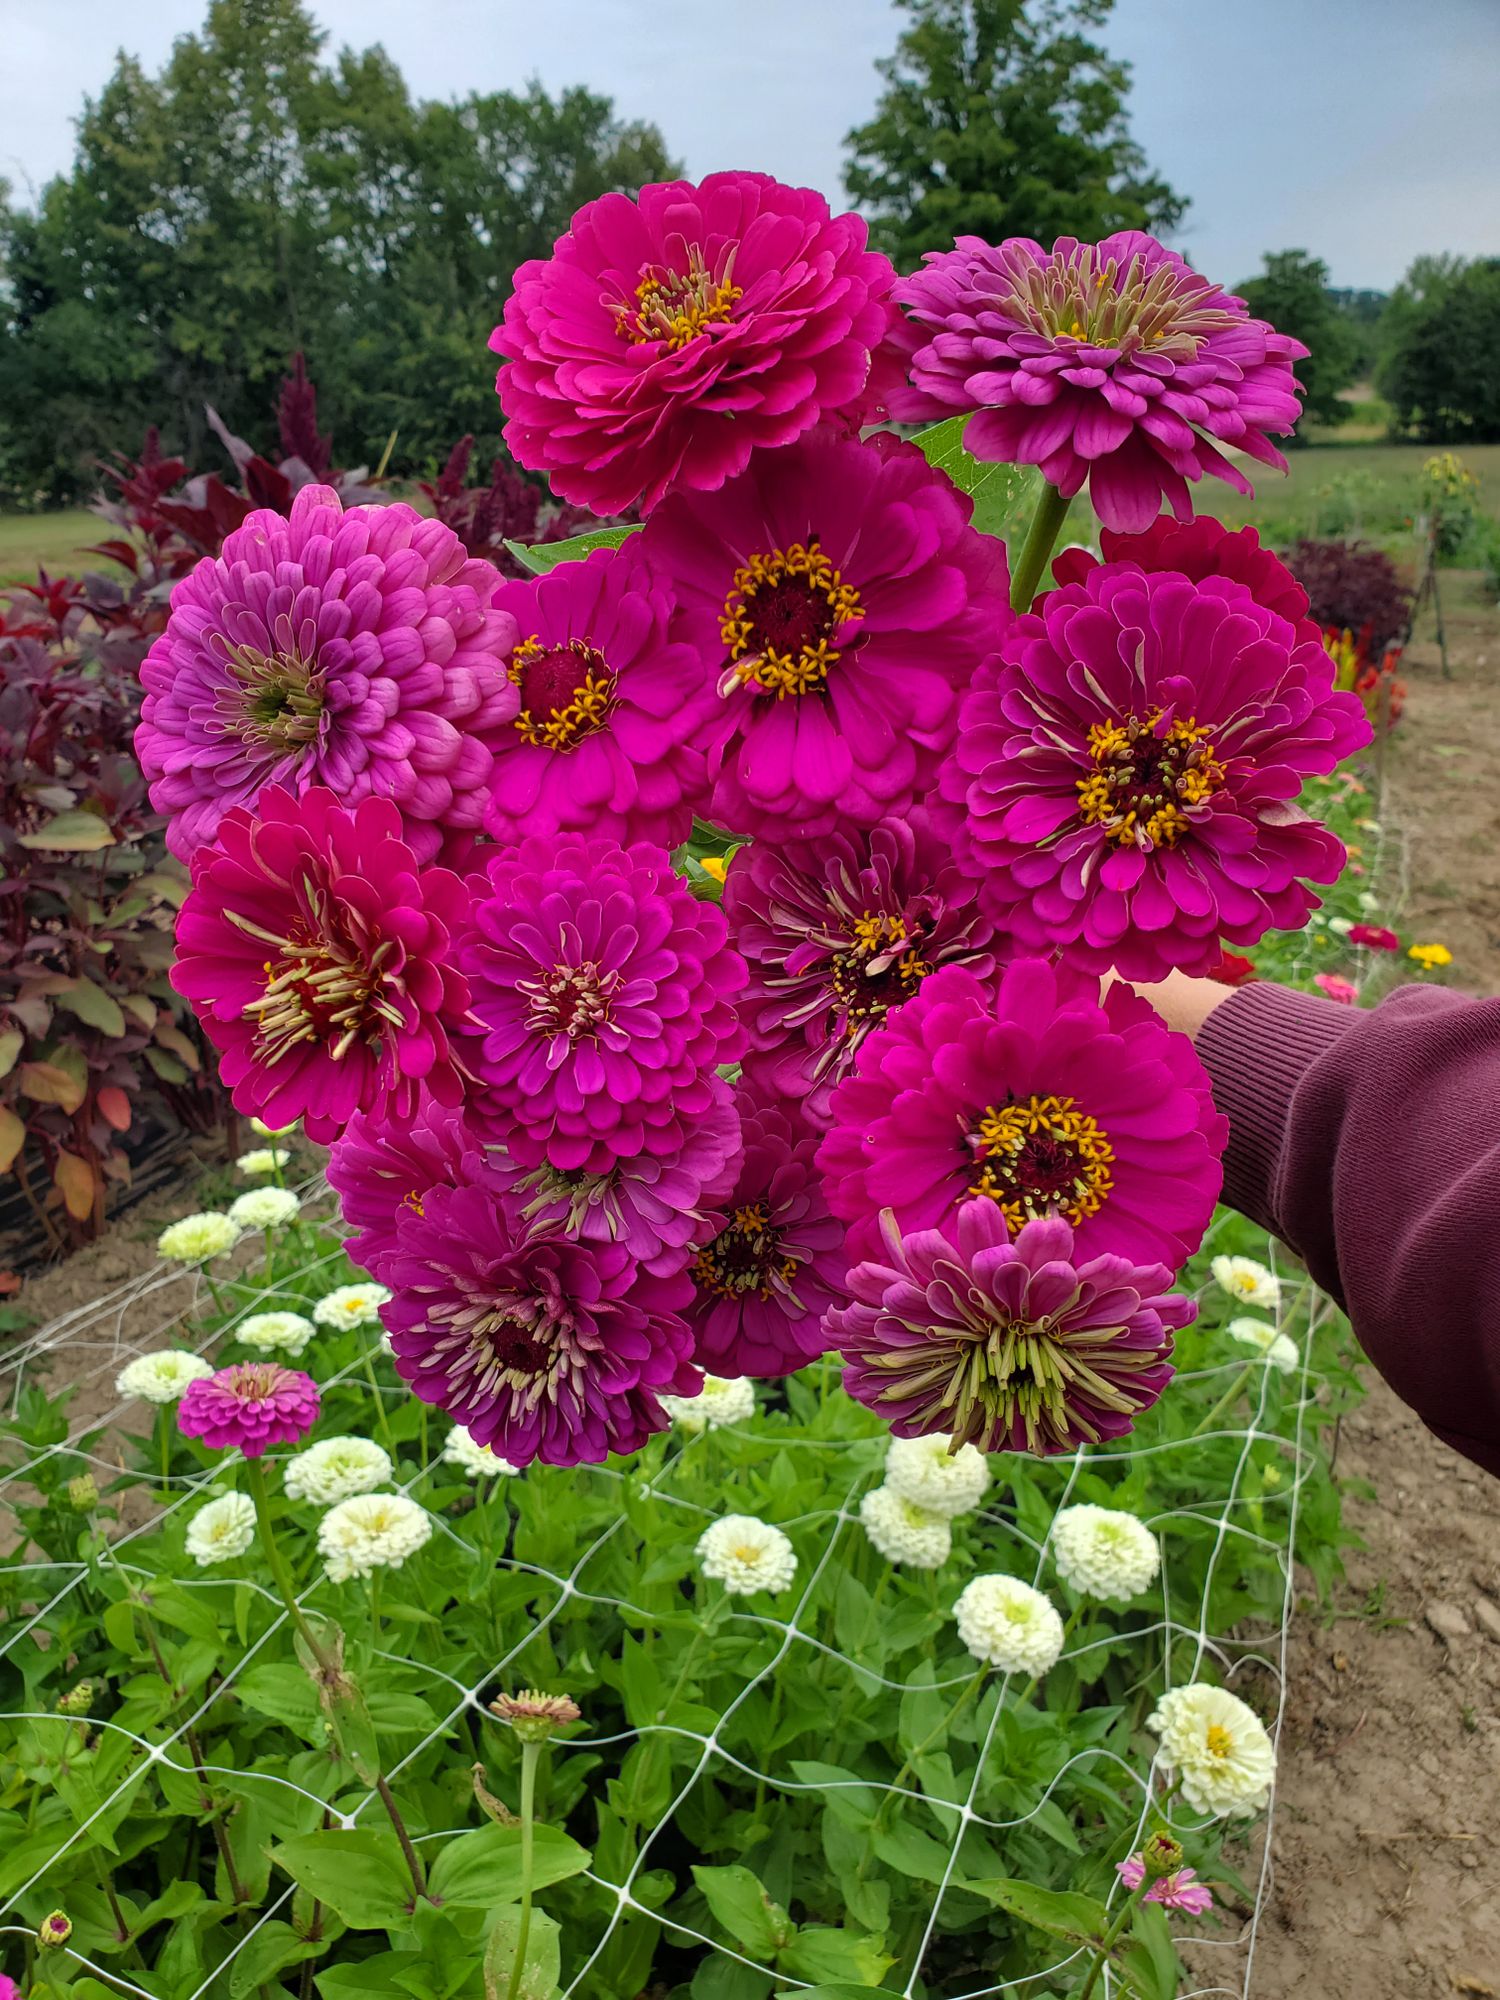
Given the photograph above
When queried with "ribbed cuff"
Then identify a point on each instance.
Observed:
(1257, 1047)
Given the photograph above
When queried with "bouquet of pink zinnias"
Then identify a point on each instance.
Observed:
(606, 1111)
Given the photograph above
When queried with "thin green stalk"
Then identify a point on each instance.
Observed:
(1230, 1395)
(280, 1575)
(218, 1297)
(1041, 539)
(367, 1362)
(971, 1688)
(1107, 1942)
(164, 1423)
(375, 1605)
(530, 1756)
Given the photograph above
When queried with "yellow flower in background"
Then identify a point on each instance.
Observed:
(715, 865)
(1430, 956)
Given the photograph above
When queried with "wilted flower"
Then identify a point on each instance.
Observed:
(903, 1532)
(721, 1400)
(934, 1476)
(1102, 1552)
(264, 1208)
(1008, 1624)
(266, 1160)
(351, 1305)
(371, 1531)
(336, 1469)
(1278, 1348)
(1217, 1746)
(275, 1332)
(475, 1461)
(746, 1555)
(163, 1376)
(1249, 1283)
(222, 1530)
(1177, 1890)
(197, 1238)
(249, 1407)
(535, 1716)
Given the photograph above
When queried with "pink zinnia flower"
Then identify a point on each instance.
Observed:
(8, 1988)
(1335, 988)
(360, 650)
(776, 1264)
(1128, 767)
(1037, 1095)
(249, 1407)
(382, 1167)
(606, 991)
(1109, 362)
(838, 598)
(611, 708)
(541, 1347)
(316, 954)
(668, 336)
(1180, 1890)
(1375, 937)
(1197, 549)
(1007, 1345)
(837, 932)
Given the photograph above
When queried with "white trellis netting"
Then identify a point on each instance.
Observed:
(90, 1345)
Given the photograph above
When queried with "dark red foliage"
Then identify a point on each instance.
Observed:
(1352, 586)
(510, 509)
(297, 422)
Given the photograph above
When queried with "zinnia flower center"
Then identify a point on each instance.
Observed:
(883, 966)
(674, 306)
(278, 701)
(744, 1259)
(1075, 296)
(1020, 1369)
(572, 1000)
(1147, 780)
(1041, 1156)
(253, 1382)
(565, 692)
(317, 990)
(1218, 1741)
(783, 620)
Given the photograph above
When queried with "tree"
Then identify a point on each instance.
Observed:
(1292, 293)
(1442, 373)
(1002, 118)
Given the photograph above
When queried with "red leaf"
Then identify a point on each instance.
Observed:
(114, 1106)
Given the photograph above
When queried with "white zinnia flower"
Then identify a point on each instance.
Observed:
(1341, 926)
(474, 1460)
(371, 1531)
(1007, 1624)
(264, 1208)
(747, 1555)
(161, 1377)
(1248, 1282)
(1279, 1348)
(351, 1305)
(1101, 1552)
(1217, 1746)
(198, 1237)
(929, 1473)
(903, 1532)
(222, 1530)
(275, 1332)
(336, 1469)
(265, 1160)
(722, 1400)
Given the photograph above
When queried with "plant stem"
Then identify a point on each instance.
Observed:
(375, 1605)
(971, 1688)
(218, 1297)
(1046, 525)
(1107, 1942)
(367, 1362)
(1230, 1395)
(164, 1446)
(393, 1813)
(530, 1755)
(280, 1575)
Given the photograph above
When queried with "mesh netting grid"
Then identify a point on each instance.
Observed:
(92, 1340)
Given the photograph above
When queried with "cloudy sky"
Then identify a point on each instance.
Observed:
(1364, 130)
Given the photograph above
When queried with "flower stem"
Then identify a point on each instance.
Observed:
(255, 1474)
(971, 1688)
(1107, 1942)
(164, 1446)
(1230, 1395)
(1041, 537)
(367, 1362)
(530, 1755)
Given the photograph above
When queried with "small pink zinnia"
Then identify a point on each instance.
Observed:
(1109, 362)
(1334, 988)
(249, 1407)
(317, 957)
(838, 598)
(606, 740)
(362, 650)
(1180, 1890)
(1375, 937)
(669, 335)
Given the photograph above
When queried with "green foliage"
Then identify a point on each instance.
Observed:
(1292, 293)
(1002, 118)
(1441, 373)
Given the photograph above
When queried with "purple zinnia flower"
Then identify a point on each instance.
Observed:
(606, 991)
(1128, 767)
(1038, 1095)
(838, 598)
(1008, 1345)
(775, 1266)
(611, 709)
(249, 1407)
(1109, 362)
(668, 335)
(836, 933)
(362, 650)
(1181, 1890)
(382, 1167)
(539, 1346)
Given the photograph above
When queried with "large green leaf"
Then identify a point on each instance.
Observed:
(543, 1967)
(744, 1909)
(483, 1868)
(92, 1004)
(356, 1871)
(70, 833)
(823, 1955)
(1061, 1913)
(542, 556)
(1004, 496)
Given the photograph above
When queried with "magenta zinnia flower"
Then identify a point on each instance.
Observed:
(1008, 1345)
(360, 650)
(1109, 362)
(1197, 549)
(669, 335)
(316, 954)
(838, 598)
(611, 709)
(1128, 767)
(607, 995)
(541, 1347)
(1037, 1095)
(1375, 937)
(777, 1263)
(382, 1167)
(249, 1407)
(837, 932)
(1181, 1890)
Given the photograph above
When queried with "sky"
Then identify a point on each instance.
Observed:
(1366, 131)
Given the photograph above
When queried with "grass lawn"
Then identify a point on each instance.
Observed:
(1341, 490)
(53, 541)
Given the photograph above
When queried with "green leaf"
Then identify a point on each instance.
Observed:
(286, 1695)
(369, 1979)
(12, 1137)
(1152, 1964)
(168, 1068)
(542, 556)
(543, 1968)
(1004, 496)
(269, 1949)
(12, 1041)
(483, 1868)
(744, 1909)
(92, 1004)
(818, 1954)
(70, 833)
(840, 1989)
(1061, 1913)
(357, 1872)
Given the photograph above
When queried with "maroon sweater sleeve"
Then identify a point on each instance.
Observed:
(1369, 1141)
